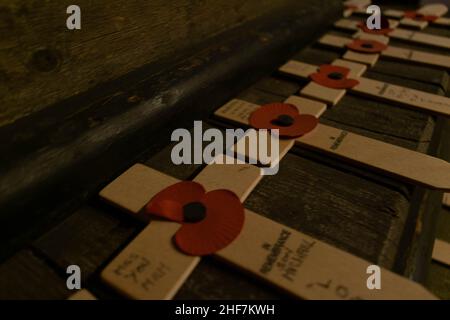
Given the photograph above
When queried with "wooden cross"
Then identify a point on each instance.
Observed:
(150, 267)
(392, 52)
(357, 6)
(397, 33)
(421, 169)
(411, 98)
(438, 10)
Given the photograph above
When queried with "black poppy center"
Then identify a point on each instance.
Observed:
(283, 120)
(194, 212)
(384, 23)
(336, 75)
(367, 45)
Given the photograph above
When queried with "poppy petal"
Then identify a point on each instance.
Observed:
(333, 77)
(382, 31)
(419, 17)
(350, 83)
(268, 117)
(169, 202)
(263, 117)
(329, 68)
(366, 46)
(302, 125)
(223, 223)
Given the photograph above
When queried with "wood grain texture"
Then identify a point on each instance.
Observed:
(213, 279)
(379, 120)
(438, 279)
(94, 233)
(87, 238)
(314, 198)
(407, 44)
(42, 62)
(309, 210)
(413, 71)
(110, 127)
(26, 276)
(356, 210)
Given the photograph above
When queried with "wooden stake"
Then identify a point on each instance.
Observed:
(431, 103)
(441, 252)
(392, 52)
(82, 294)
(151, 268)
(398, 33)
(403, 163)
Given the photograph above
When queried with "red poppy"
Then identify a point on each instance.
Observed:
(284, 117)
(418, 16)
(384, 30)
(366, 46)
(210, 221)
(333, 77)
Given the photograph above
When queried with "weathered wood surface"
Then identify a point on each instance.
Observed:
(91, 137)
(42, 62)
(99, 231)
(324, 205)
(439, 276)
(405, 44)
(388, 122)
(367, 214)
(26, 276)
(413, 71)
